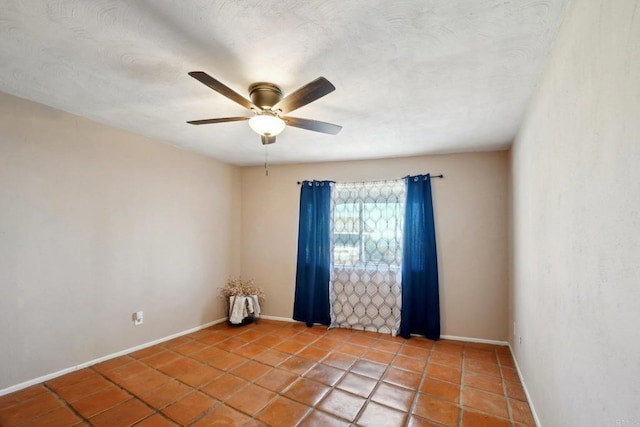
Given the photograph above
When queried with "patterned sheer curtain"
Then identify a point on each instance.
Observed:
(366, 245)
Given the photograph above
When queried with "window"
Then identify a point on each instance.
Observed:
(366, 238)
(367, 233)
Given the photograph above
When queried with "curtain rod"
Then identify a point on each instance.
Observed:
(432, 176)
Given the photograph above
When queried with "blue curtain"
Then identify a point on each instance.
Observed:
(420, 300)
(311, 304)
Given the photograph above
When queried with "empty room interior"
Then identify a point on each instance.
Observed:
(137, 181)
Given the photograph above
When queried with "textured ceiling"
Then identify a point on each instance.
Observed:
(412, 77)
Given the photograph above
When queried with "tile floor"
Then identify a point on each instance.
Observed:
(283, 374)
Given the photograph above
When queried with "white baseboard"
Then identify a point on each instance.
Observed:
(524, 386)
(281, 319)
(477, 340)
(48, 377)
(446, 337)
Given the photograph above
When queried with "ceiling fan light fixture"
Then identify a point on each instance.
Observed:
(267, 124)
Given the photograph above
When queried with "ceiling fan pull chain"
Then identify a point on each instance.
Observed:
(266, 157)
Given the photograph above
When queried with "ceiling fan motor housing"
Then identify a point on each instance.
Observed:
(265, 95)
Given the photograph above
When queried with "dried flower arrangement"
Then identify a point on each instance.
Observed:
(240, 287)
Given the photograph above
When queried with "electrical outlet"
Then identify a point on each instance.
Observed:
(519, 340)
(138, 318)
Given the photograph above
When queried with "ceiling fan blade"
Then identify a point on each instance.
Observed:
(222, 89)
(266, 140)
(313, 125)
(305, 95)
(220, 120)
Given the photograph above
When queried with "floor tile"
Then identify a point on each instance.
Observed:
(352, 349)
(342, 404)
(403, 378)
(175, 342)
(250, 350)
(305, 338)
(377, 415)
(166, 394)
(160, 359)
(326, 343)
(409, 363)
(490, 403)
(124, 414)
(269, 341)
(324, 374)
(226, 375)
(487, 356)
(251, 400)
(276, 380)
(521, 412)
(228, 362)
(510, 374)
(386, 345)
(283, 412)
(415, 421)
(23, 395)
(357, 384)
(200, 375)
(420, 342)
(437, 410)
(306, 391)
(179, 366)
(296, 365)
(251, 335)
(81, 389)
(190, 347)
(484, 368)
(369, 369)
(472, 418)
(224, 387)
(230, 344)
(222, 416)
(313, 353)
(322, 419)
(445, 373)
(379, 356)
(146, 352)
(100, 401)
(125, 371)
(340, 360)
(251, 370)
(447, 359)
(71, 378)
(454, 347)
(483, 382)
(156, 420)
(190, 407)
(441, 389)
(505, 359)
(393, 396)
(272, 357)
(207, 354)
(140, 383)
(515, 390)
(416, 352)
(62, 416)
(290, 346)
(24, 411)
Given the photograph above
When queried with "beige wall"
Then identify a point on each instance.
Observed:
(97, 223)
(576, 216)
(471, 224)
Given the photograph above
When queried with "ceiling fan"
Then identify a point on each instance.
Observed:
(268, 105)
